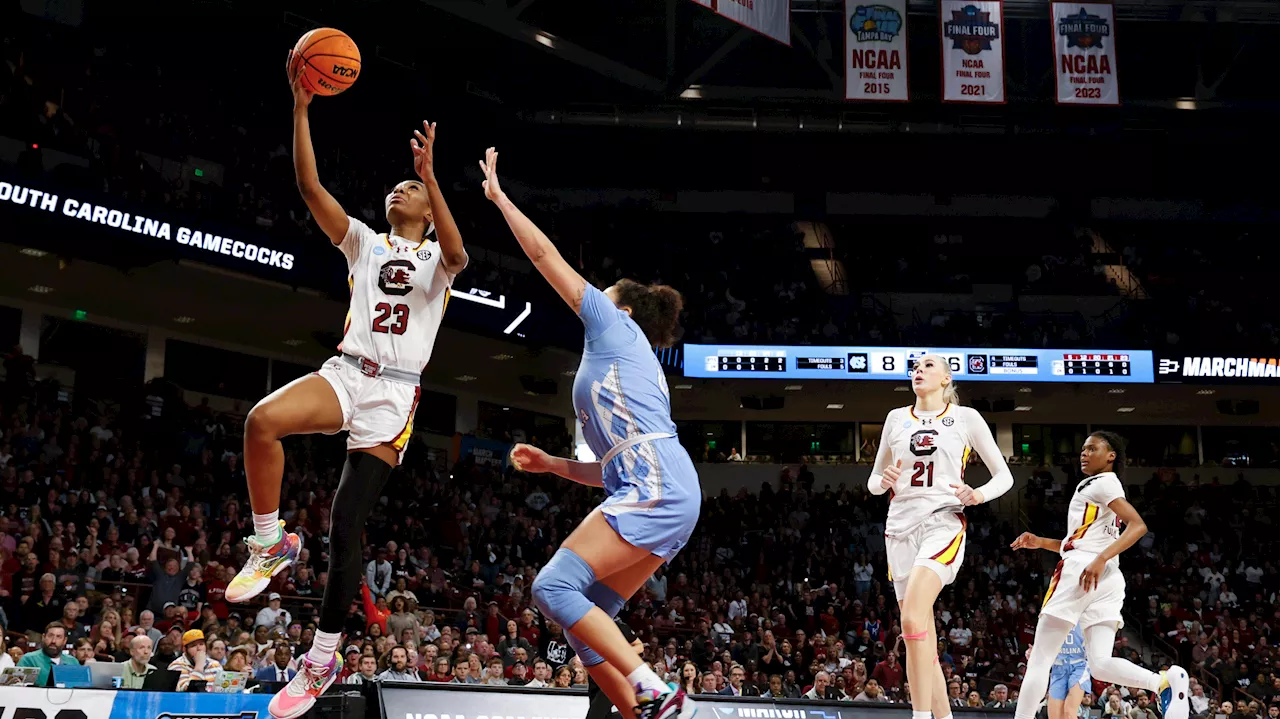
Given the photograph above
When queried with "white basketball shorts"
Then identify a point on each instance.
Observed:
(937, 543)
(375, 410)
(1067, 600)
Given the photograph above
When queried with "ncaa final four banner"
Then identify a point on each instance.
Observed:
(875, 50)
(767, 17)
(1084, 48)
(972, 51)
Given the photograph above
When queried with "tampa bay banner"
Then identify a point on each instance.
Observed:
(1084, 48)
(767, 17)
(972, 51)
(875, 51)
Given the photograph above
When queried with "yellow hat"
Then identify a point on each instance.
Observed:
(192, 635)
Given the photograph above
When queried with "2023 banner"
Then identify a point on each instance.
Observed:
(1084, 52)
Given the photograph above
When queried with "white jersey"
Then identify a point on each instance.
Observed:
(399, 290)
(934, 449)
(1091, 525)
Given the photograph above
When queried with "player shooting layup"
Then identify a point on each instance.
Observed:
(399, 288)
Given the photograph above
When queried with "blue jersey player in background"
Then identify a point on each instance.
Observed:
(652, 493)
(1069, 679)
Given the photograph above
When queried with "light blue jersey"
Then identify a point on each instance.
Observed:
(1071, 668)
(619, 394)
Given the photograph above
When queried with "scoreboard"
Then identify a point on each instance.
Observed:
(895, 363)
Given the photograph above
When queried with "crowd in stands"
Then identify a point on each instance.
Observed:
(112, 533)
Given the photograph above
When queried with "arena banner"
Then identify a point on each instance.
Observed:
(469, 701)
(486, 451)
(1218, 369)
(972, 51)
(1084, 48)
(77, 214)
(33, 703)
(767, 17)
(875, 49)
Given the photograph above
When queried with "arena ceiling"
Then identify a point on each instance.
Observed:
(235, 312)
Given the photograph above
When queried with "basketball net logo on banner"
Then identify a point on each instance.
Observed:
(767, 17)
(1084, 48)
(972, 51)
(875, 49)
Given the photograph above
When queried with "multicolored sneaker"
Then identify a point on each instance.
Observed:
(300, 694)
(1174, 693)
(264, 563)
(653, 704)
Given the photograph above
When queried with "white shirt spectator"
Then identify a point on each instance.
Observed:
(737, 608)
(1228, 598)
(657, 585)
(1251, 571)
(378, 576)
(863, 572)
(268, 617)
(960, 636)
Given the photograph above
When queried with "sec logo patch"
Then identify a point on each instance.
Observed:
(424, 255)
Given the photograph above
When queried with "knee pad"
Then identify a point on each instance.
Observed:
(585, 653)
(560, 588)
(605, 598)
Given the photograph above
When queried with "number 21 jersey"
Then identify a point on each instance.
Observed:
(934, 449)
(399, 290)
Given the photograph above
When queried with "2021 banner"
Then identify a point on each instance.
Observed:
(875, 51)
(972, 51)
(1084, 51)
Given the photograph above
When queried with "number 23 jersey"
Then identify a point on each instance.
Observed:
(399, 291)
(934, 449)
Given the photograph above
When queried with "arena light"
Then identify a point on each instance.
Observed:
(835, 406)
(684, 386)
(693, 92)
(293, 343)
(1024, 390)
(32, 252)
(40, 289)
(793, 388)
(465, 378)
(545, 39)
(502, 357)
(184, 319)
(1186, 103)
(570, 373)
(902, 388)
(1125, 409)
(1022, 408)
(1115, 390)
(1206, 391)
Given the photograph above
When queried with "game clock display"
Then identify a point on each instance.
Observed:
(895, 363)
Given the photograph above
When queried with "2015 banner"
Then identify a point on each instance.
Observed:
(767, 17)
(972, 51)
(875, 51)
(1084, 49)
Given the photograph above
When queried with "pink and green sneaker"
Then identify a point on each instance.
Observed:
(264, 563)
(299, 695)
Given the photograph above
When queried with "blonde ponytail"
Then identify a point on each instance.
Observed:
(950, 394)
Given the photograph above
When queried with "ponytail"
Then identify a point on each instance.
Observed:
(1117, 445)
(951, 394)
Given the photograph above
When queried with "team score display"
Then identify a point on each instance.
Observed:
(974, 90)
(1089, 93)
(922, 474)
(875, 88)
(388, 319)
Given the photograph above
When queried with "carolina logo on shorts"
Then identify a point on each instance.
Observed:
(924, 442)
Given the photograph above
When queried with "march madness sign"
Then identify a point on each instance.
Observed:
(875, 51)
(972, 51)
(1084, 49)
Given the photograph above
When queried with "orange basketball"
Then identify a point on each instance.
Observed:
(328, 60)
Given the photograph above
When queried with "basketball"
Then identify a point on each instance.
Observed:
(328, 60)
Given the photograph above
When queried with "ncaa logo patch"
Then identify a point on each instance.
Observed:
(379, 250)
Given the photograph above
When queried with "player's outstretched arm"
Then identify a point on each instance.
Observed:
(1027, 540)
(527, 458)
(453, 254)
(328, 213)
(537, 246)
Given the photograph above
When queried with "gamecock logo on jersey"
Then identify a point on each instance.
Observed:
(924, 442)
(396, 277)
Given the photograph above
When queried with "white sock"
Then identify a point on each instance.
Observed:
(947, 716)
(921, 715)
(644, 679)
(266, 527)
(323, 647)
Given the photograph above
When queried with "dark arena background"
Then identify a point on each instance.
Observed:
(1073, 203)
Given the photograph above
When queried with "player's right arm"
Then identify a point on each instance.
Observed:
(328, 213)
(527, 458)
(536, 245)
(884, 475)
(1027, 540)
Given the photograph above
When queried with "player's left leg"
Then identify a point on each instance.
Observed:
(363, 478)
(918, 631)
(1072, 704)
(1171, 686)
